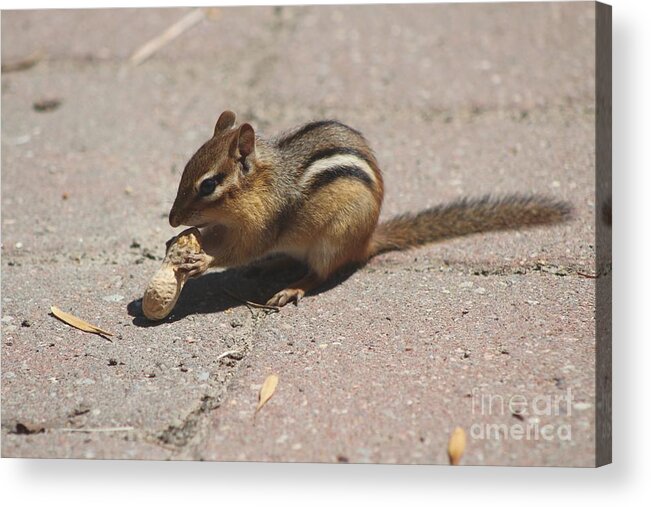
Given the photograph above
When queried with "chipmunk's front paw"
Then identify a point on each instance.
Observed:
(285, 296)
(196, 264)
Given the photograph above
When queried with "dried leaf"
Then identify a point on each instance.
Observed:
(456, 445)
(267, 390)
(23, 63)
(77, 322)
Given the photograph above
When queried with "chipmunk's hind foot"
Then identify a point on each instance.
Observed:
(286, 296)
(296, 291)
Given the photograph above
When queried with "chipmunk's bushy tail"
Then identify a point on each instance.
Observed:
(467, 216)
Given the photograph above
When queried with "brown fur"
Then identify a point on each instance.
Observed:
(467, 216)
(274, 197)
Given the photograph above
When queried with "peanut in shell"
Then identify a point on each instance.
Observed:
(165, 286)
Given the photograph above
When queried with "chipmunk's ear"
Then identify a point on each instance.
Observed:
(243, 143)
(226, 120)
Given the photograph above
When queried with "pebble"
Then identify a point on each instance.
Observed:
(203, 376)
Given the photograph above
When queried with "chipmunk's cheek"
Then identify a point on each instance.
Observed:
(210, 214)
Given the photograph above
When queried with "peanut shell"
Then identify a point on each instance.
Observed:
(165, 286)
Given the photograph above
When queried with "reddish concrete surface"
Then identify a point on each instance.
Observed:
(457, 100)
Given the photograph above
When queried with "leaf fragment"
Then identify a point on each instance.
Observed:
(77, 322)
(456, 445)
(267, 390)
(23, 63)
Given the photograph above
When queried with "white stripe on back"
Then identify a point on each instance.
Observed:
(322, 165)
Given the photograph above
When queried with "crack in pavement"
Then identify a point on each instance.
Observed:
(179, 435)
(185, 437)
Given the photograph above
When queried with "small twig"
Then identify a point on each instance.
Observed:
(23, 63)
(587, 275)
(229, 353)
(183, 24)
(251, 311)
(251, 303)
(96, 430)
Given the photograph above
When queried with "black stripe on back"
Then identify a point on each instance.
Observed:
(309, 127)
(339, 171)
(337, 150)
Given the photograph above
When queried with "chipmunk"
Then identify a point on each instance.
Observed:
(315, 194)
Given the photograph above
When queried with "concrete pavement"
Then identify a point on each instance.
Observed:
(457, 100)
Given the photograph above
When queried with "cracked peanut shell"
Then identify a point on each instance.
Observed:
(165, 286)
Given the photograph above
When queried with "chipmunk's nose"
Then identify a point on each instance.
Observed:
(174, 219)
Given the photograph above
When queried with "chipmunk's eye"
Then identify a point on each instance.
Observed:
(208, 185)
